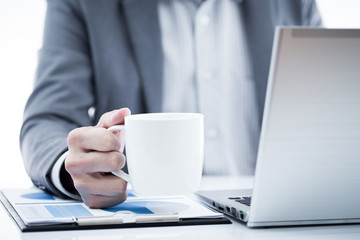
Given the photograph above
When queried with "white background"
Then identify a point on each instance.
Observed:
(21, 25)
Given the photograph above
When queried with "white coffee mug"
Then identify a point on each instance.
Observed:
(164, 151)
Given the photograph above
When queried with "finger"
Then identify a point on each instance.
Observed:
(101, 184)
(113, 118)
(92, 139)
(100, 201)
(92, 162)
(104, 186)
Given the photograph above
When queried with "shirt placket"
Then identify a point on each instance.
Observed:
(206, 78)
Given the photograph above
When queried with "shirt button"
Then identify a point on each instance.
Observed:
(208, 77)
(204, 20)
(212, 133)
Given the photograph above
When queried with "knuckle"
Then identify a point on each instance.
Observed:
(107, 141)
(71, 165)
(81, 186)
(74, 137)
(115, 162)
(122, 160)
(119, 188)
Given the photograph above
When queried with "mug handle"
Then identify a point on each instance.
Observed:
(120, 173)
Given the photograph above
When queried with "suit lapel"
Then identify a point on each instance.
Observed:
(144, 32)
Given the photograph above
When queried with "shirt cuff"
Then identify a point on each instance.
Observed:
(55, 177)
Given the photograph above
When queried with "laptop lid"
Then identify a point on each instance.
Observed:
(308, 166)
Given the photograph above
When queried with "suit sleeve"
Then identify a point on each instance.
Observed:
(310, 14)
(62, 94)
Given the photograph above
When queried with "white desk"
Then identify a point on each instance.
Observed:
(9, 230)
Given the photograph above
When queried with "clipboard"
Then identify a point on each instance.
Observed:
(120, 219)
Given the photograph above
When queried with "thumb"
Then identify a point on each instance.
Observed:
(114, 117)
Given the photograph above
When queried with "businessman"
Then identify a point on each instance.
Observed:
(101, 59)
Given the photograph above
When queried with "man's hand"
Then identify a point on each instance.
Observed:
(94, 152)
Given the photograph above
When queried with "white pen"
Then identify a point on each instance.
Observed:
(123, 217)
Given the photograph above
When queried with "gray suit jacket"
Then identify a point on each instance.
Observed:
(108, 55)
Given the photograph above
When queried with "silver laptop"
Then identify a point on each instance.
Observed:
(308, 163)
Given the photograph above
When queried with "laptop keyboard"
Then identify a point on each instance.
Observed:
(243, 200)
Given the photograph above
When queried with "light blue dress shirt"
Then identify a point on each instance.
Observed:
(206, 69)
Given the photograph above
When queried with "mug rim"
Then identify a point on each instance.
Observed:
(172, 116)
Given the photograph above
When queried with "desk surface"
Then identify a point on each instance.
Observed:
(9, 230)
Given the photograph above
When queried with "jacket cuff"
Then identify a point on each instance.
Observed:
(56, 180)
